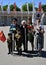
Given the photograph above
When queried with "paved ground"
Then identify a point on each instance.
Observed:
(25, 59)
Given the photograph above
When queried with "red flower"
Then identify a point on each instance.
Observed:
(29, 27)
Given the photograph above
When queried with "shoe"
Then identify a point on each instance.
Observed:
(17, 53)
(14, 50)
(39, 54)
(9, 53)
(20, 53)
(32, 51)
(24, 50)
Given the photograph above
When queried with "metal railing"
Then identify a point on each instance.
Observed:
(6, 17)
(17, 13)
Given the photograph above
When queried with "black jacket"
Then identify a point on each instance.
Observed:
(23, 31)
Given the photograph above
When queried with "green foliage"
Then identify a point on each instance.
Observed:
(17, 8)
(11, 7)
(0, 7)
(44, 7)
(30, 7)
(5, 7)
(24, 7)
(36, 8)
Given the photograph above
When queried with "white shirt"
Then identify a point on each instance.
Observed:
(37, 27)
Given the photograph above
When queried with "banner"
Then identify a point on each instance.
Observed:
(14, 5)
(40, 7)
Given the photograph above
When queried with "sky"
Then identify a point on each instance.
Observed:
(19, 3)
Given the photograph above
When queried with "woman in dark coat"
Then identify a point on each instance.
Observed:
(24, 32)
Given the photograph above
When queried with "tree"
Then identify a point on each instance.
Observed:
(17, 8)
(24, 7)
(5, 7)
(36, 8)
(44, 7)
(11, 7)
(0, 7)
(30, 7)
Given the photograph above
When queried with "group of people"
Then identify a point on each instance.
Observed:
(25, 32)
